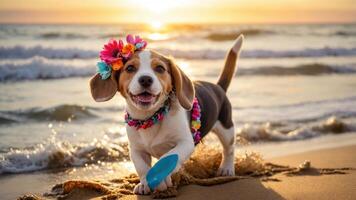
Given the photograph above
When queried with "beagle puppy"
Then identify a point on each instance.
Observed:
(147, 81)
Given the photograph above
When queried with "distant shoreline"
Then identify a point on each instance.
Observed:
(180, 23)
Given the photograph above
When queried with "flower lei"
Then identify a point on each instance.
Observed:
(147, 123)
(195, 121)
(116, 53)
(159, 116)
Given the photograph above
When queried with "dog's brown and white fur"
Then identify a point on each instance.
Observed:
(146, 81)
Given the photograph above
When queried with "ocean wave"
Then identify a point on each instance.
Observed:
(58, 113)
(70, 53)
(344, 33)
(7, 119)
(55, 35)
(310, 69)
(277, 132)
(54, 154)
(111, 35)
(220, 54)
(42, 68)
(223, 36)
(304, 112)
(46, 52)
(305, 69)
(228, 34)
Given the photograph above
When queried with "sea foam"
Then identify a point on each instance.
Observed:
(69, 53)
(44, 68)
(54, 154)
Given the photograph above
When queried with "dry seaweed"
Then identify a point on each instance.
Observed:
(29, 197)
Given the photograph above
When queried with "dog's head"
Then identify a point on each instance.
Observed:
(145, 81)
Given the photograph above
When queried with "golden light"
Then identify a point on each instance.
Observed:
(158, 36)
(159, 6)
(156, 28)
(156, 25)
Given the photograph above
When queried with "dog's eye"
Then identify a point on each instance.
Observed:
(160, 69)
(130, 69)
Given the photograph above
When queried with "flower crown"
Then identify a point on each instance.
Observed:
(116, 53)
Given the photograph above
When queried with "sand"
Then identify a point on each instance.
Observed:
(328, 180)
(310, 186)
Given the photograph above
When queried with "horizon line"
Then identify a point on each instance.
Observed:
(184, 23)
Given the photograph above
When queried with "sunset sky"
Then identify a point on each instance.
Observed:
(166, 11)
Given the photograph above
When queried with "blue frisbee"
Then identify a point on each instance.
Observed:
(161, 170)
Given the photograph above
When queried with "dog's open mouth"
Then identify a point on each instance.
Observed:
(144, 98)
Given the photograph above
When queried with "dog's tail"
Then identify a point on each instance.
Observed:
(230, 64)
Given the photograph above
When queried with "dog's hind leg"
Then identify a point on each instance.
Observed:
(227, 139)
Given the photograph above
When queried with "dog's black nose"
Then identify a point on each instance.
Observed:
(145, 81)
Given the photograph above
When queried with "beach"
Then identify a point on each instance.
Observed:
(291, 99)
(306, 185)
(293, 93)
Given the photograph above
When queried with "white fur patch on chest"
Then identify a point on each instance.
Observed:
(160, 138)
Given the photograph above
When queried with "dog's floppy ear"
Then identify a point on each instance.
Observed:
(183, 86)
(103, 90)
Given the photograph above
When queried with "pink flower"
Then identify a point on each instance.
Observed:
(149, 123)
(111, 51)
(138, 42)
(197, 137)
(131, 123)
(130, 39)
(160, 117)
(196, 112)
(194, 116)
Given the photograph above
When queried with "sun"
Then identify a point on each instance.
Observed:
(157, 29)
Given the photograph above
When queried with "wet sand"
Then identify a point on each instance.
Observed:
(325, 181)
(306, 186)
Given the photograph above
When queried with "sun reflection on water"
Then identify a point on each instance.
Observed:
(156, 25)
(157, 36)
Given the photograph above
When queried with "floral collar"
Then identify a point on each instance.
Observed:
(147, 123)
(162, 112)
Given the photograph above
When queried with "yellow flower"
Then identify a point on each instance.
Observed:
(196, 125)
(117, 65)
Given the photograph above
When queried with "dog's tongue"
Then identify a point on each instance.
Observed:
(146, 98)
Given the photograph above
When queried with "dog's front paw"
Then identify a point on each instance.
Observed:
(142, 189)
(226, 170)
(164, 185)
